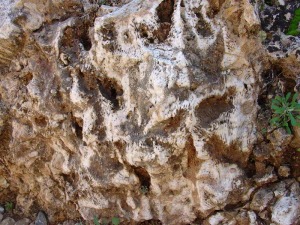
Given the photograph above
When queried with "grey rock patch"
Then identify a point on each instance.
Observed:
(8, 221)
(24, 221)
(41, 219)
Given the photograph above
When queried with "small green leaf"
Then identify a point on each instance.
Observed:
(279, 111)
(293, 28)
(115, 221)
(274, 120)
(278, 98)
(293, 120)
(276, 102)
(96, 220)
(9, 206)
(288, 96)
(288, 129)
(275, 107)
(294, 99)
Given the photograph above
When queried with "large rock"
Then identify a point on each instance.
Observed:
(144, 110)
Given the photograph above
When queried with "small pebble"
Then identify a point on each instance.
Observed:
(284, 171)
(23, 222)
(41, 219)
(8, 221)
(69, 222)
(1, 209)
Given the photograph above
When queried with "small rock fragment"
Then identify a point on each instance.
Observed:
(41, 219)
(279, 138)
(8, 221)
(24, 221)
(261, 199)
(284, 171)
(1, 209)
(3, 183)
(69, 222)
(268, 177)
(295, 143)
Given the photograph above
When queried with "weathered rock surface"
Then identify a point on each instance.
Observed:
(142, 110)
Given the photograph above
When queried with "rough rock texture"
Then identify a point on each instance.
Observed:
(144, 110)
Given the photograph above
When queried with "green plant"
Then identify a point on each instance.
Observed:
(144, 189)
(9, 206)
(285, 112)
(293, 28)
(96, 220)
(105, 221)
(115, 221)
(102, 2)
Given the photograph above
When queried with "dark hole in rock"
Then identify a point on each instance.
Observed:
(70, 178)
(250, 169)
(144, 32)
(41, 121)
(198, 220)
(72, 38)
(164, 12)
(203, 28)
(110, 90)
(162, 32)
(109, 35)
(211, 109)
(77, 124)
(27, 78)
(149, 142)
(182, 3)
(150, 222)
(86, 41)
(143, 175)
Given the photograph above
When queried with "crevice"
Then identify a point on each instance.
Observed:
(164, 12)
(27, 78)
(151, 222)
(143, 176)
(110, 90)
(85, 40)
(77, 124)
(109, 35)
(203, 28)
(41, 121)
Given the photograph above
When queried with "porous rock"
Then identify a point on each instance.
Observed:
(100, 103)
